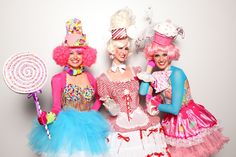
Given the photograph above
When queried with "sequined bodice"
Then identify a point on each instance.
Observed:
(77, 97)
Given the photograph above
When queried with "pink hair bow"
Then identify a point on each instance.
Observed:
(161, 80)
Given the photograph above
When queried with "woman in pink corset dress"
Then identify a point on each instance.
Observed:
(135, 133)
(189, 128)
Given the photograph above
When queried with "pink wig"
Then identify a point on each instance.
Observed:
(153, 48)
(89, 56)
(61, 55)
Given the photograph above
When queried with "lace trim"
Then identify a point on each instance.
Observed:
(191, 140)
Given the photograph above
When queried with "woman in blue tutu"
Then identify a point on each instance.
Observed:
(76, 128)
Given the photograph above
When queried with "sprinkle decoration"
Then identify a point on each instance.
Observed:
(73, 26)
(73, 92)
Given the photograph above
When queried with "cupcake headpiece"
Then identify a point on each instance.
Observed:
(166, 32)
(74, 40)
(74, 35)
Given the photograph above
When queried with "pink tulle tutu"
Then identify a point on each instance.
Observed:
(194, 131)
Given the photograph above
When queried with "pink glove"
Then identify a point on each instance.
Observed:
(42, 118)
(156, 101)
(148, 98)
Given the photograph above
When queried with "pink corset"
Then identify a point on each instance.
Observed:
(125, 94)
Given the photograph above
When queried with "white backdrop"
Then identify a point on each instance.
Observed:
(207, 53)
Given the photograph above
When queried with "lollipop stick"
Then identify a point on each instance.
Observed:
(26, 73)
(38, 109)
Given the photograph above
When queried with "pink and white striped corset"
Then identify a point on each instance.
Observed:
(77, 97)
(125, 94)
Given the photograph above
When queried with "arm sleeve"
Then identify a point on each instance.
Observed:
(97, 104)
(144, 86)
(143, 89)
(177, 79)
(102, 87)
(56, 94)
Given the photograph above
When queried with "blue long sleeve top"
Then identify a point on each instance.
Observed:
(177, 80)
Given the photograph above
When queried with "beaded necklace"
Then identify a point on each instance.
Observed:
(74, 72)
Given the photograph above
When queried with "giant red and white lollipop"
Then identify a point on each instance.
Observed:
(26, 73)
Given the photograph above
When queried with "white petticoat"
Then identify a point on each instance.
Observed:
(138, 143)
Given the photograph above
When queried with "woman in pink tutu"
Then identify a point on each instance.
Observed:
(76, 126)
(190, 130)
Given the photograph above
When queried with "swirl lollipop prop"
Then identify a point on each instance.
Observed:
(26, 73)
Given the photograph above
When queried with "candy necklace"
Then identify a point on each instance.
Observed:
(74, 72)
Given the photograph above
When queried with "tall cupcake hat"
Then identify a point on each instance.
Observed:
(166, 32)
(74, 35)
(74, 40)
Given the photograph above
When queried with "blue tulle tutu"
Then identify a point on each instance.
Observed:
(72, 132)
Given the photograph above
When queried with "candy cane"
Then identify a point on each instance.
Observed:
(38, 109)
(26, 73)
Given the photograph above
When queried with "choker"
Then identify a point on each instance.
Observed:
(74, 72)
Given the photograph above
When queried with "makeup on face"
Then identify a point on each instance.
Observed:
(121, 53)
(162, 60)
(75, 59)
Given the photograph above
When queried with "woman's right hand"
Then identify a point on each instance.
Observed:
(152, 104)
(152, 109)
(46, 118)
(111, 106)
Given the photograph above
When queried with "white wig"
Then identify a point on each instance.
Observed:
(123, 18)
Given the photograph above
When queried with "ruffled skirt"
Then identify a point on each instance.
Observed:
(193, 132)
(72, 133)
(139, 143)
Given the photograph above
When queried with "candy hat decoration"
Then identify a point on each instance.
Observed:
(74, 36)
(122, 25)
(166, 32)
(74, 40)
(26, 73)
(146, 34)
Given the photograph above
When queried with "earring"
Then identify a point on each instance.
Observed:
(111, 56)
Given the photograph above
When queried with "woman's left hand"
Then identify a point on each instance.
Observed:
(168, 93)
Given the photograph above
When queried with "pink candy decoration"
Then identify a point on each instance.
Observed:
(162, 39)
(25, 73)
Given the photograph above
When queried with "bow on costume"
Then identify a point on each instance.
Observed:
(120, 67)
